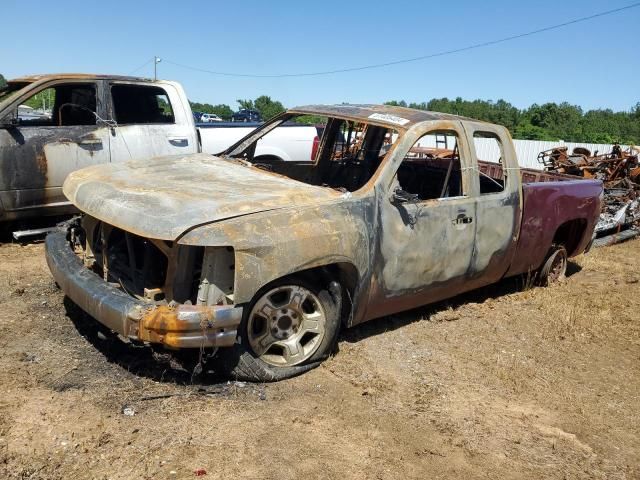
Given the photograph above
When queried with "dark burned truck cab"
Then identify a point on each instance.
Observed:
(270, 258)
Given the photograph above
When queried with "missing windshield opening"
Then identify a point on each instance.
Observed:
(341, 154)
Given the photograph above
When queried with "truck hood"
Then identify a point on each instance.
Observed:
(164, 197)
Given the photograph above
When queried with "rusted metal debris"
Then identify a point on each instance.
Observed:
(619, 170)
(608, 167)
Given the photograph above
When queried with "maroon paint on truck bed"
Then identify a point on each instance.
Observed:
(551, 201)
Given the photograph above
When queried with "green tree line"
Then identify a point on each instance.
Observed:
(267, 107)
(549, 121)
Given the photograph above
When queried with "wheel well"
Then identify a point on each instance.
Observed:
(570, 234)
(346, 274)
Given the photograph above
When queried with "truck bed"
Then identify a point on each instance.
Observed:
(527, 175)
(553, 205)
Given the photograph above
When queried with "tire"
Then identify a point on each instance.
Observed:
(554, 268)
(245, 361)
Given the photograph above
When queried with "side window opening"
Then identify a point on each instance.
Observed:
(141, 104)
(431, 168)
(61, 105)
(490, 155)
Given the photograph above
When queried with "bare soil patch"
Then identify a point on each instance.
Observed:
(498, 383)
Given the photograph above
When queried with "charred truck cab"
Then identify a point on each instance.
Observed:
(270, 258)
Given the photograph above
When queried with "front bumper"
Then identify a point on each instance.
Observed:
(182, 326)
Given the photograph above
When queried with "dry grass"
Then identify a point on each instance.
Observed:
(501, 383)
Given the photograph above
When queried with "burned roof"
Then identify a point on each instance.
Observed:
(77, 76)
(388, 115)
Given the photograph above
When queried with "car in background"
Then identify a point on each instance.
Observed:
(289, 142)
(25, 112)
(246, 115)
(209, 117)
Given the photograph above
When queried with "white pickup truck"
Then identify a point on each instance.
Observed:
(295, 143)
(94, 119)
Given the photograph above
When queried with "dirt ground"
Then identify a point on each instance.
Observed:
(499, 383)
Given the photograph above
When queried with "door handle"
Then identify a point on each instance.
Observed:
(462, 219)
(90, 144)
(90, 141)
(179, 141)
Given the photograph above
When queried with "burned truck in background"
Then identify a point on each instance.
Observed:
(268, 259)
(82, 120)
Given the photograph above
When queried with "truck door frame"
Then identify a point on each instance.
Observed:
(428, 259)
(56, 151)
(498, 214)
(160, 139)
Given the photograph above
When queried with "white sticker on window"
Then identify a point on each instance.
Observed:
(385, 117)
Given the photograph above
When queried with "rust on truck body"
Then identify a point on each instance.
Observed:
(185, 326)
(207, 216)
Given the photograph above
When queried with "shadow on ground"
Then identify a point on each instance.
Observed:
(506, 286)
(180, 367)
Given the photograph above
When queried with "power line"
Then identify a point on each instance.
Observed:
(414, 59)
(142, 66)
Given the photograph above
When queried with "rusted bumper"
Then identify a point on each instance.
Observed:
(182, 326)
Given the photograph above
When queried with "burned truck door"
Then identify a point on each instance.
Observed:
(55, 132)
(497, 194)
(151, 122)
(426, 222)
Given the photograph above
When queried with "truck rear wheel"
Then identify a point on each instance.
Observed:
(555, 267)
(289, 327)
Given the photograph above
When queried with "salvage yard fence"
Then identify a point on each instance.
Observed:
(528, 150)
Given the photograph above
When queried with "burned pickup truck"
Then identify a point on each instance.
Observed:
(268, 259)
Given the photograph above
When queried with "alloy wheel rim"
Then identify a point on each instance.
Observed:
(286, 325)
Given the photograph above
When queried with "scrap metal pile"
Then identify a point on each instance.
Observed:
(620, 173)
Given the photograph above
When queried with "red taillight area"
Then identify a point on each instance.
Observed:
(314, 147)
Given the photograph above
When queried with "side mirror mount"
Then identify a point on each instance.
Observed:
(401, 196)
(10, 121)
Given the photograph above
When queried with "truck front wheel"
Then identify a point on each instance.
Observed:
(290, 327)
(555, 266)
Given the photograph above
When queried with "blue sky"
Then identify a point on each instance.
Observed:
(595, 64)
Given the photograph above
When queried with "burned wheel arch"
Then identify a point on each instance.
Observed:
(332, 239)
